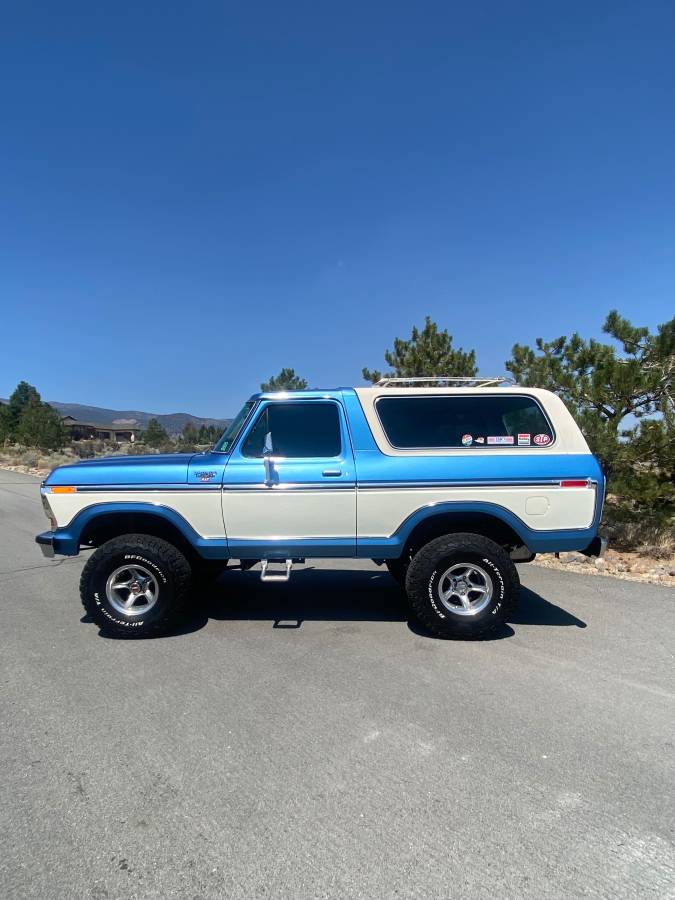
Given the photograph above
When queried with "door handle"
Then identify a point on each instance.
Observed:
(332, 473)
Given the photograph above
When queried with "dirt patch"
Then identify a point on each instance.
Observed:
(27, 470)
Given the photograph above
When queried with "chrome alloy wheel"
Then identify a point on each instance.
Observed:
(132, 590)
(465, 589)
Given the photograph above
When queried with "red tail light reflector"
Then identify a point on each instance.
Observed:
(575, 482)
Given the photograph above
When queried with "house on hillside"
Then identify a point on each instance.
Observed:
(87, 431)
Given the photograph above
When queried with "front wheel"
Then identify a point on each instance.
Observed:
(135, 585)
(462, 585)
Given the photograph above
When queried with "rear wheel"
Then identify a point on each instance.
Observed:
(135, 585)
(462, 585)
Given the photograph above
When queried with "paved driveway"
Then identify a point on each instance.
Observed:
(305, 740)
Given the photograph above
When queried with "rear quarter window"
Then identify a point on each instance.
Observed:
(471, 422)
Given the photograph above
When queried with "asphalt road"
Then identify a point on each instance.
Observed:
(305, 740)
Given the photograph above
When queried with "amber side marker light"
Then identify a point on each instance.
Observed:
(575, 483)
(62, 489)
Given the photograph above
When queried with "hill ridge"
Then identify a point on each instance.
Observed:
(173, 422)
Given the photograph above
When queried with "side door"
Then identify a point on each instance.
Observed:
(289, 487)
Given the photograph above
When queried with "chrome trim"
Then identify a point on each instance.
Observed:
(444, 381)
(372, 486)
(195, 488)
(289, 486)
(418, 485)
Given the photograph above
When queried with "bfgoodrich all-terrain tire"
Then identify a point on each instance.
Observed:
(135, 585)
(462, 585)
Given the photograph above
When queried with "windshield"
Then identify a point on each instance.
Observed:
(231, 433)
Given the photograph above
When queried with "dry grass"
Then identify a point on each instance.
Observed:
(656, 541)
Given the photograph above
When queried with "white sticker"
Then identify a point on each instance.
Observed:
(501, 439)
(523, 440)
(467, 440)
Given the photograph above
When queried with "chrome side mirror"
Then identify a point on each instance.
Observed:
(268, 449)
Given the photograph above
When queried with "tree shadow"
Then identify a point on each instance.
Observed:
(337, 595)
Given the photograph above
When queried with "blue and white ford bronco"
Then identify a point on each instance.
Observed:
(446, 481)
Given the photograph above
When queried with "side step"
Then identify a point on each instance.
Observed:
(276, 576)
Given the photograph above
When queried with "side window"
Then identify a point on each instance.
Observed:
(464, 421)
(299, 430)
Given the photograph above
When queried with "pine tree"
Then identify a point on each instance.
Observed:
(40, 426)
(428, 352)
(155, 435)
(622, 398)
(23, 394)
(4, 422)
(286, 380)
(190, 434)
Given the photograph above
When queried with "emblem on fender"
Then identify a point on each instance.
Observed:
(205, 476)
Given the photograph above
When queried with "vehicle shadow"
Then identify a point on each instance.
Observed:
(339, 595)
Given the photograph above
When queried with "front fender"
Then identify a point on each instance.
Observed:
(66, 541)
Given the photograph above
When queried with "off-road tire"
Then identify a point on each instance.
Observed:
(427, 568)
(169, 568)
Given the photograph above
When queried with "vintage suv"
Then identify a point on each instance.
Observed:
(447, 481)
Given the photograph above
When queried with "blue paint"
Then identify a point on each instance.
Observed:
(361, 434)
(374, 467)
(161, 468)
(316, 548)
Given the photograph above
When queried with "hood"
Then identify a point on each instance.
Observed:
(155, 468)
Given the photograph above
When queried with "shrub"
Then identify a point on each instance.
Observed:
(30, 458)
(84, 449)
(629, 528)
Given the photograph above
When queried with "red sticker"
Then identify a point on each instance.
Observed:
(541, 439)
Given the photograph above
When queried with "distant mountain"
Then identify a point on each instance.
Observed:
(173, 422)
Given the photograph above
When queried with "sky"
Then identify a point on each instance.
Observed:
(195, 195)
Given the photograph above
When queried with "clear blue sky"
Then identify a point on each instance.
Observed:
(193, 195)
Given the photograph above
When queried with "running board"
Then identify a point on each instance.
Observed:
(277, 576)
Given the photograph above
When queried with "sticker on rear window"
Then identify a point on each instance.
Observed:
(467, 440)
(501, 439)
(541, 440)
(523, 440)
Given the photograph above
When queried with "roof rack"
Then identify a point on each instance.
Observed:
(442, 381)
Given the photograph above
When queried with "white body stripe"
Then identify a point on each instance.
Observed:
(325, 513)
(290, 514)
(541, 508)
(202, 509)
